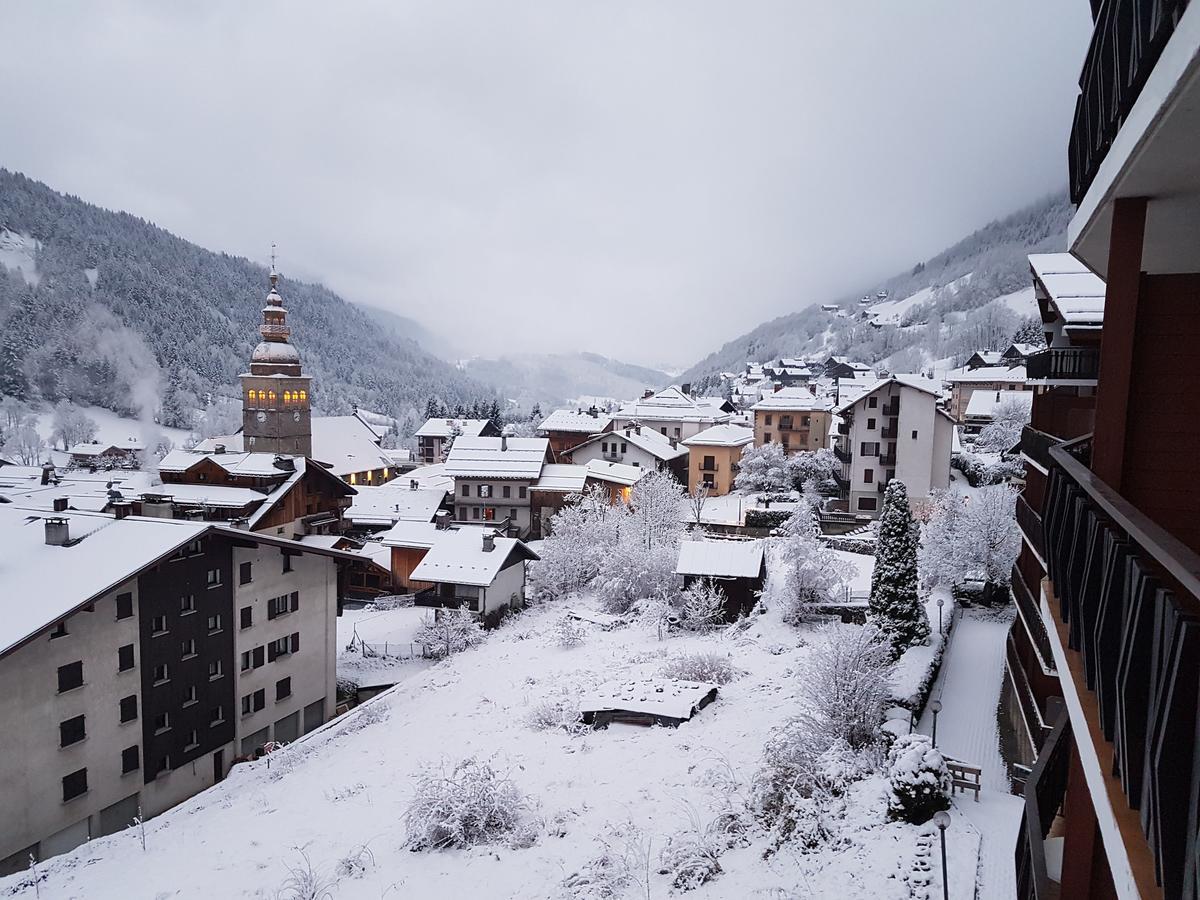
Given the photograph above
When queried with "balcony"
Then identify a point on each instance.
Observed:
(843, 483)
(1127, 593)
(843, 428)
(1127, 40)
(891, 409)
(841, 453)
(1030, 524)
(710, 467)
(1044, 793)
(1064, 365)
(1031, 617)
(887, 458)
(888, 432)
(881, 486)
(1036, 445)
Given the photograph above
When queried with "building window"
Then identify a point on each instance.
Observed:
(521, 492)
(278, 606)
(214, 670)
(244, 573)
(158, 625)
(483, 490)
(869, 448)
(872, 402)
(466, 490)
(162, 722)
(125, 658)
(164, 765)
(74, 785)
(283, 689)
(124, 606)
(187, 604)
(507, 491)
(70, 676)
(767, 437)
(128, 707)
(161, 674)
(805, 421)
(914, 437)
(870, 424)
(187, 649)
(767, 419)
(868, 476)
(217, 716)
(474, 512)
(193, 740)
(214, 623)
(60, 630)
(252, 703)
(489, 513)
(189, 695)
(193, 548)
(247, 616)
(867, 503)
(130, 760)
(71, 731)
(213, 578)
(287, 563)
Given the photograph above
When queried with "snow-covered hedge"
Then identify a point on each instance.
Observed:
(849, 544)
(980, 472)
(448, 631)
(469, 804)
(767, 518)
(918, 779)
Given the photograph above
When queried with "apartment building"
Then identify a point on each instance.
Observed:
(493, 477)
(672, 412)
(714, 456)
(964, 382)
(792, 418)
(1113, 791)
(124, 693)
(894, 430)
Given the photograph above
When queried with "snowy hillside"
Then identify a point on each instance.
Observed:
(550, 379)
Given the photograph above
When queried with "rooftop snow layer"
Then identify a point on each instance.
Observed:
(575, 421)
(446, 427)
(458, 557)
(794, 398)
(482, 457)
(667, 697)
(721, 436)
(720, 559)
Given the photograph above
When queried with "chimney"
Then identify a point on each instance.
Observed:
(503, 442)
(194, 515)
(687, 388)
(593, 412)
(122, 509)
(627, 430)
(413, 484)
(674, 443)
(240, 522)
(637, 429)
(60, 504)
(489, 541)
(441, 519)
(47, 471)
(647, 394)
(58, 531)
(220, 448)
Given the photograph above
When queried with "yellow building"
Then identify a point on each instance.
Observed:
(713, 457)
(794, 418)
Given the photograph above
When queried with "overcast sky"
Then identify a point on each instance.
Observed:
(641, 178)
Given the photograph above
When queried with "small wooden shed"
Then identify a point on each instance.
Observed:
(739, 567)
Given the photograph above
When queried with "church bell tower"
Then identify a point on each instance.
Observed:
(275, 394)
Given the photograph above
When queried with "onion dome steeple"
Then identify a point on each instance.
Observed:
(275, 354)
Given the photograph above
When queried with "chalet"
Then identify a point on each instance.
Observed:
(124, 454)
(158, 653)
(399, 500)
(793, 418)
(981, 408)
(672, 412)
(616, 478)
(557, 483)
(474, 568)
(492, 478)
(634, 445)
(408, 542)
(965, 381)
(843, 367)
(1019, 353)
(435, 437)
(714, 455)
(981, 358)
(738, 568)
(565, 429)
(894, 430)
(788, 372)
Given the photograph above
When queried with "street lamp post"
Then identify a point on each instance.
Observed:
(941, 603)
(936, 707)
(942, 821)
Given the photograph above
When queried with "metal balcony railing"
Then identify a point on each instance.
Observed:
(710, 467)
(1064, 364)
(841, 453)
(1036, 445)
(1031, 616)
(1044, 792)
(1127, 40)
(843, 428)
(888, 432)
(1128, 592)
(1030, 524)
(887, 458)
(891, 409)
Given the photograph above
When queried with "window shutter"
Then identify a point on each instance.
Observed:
(296, 642)
(271, 654)
(295, 600)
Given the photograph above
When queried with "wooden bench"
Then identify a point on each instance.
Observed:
(964, 777)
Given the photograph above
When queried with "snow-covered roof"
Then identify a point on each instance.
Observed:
(347, 445)
(575, 421)
(720, 559)
(983, 403)
(236, 463)
(916, 382)
(432, 477)
(671, 404)
(98, 448)
(644, 438)
(791, 399)
(415, 535)
(83, 490)
(987, 357)
(1014, 374)
(395, 501)
(482, 457)
(617, 473)
(458, 557)
(208, 495)
(446, 427)
(1074, 290)
(562, 477)
(662, 697)
(721, 436)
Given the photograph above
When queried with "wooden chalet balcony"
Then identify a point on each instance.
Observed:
(1065, 364)
(1044, 793)
(1030, 524)
(1127, 593)
(1128, 38)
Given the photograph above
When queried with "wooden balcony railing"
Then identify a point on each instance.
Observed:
(1036, 445)
(1072, 364)
(1030, 524)
(1030, 613)
(1129, 595)
(1127, 40)
(1044, 792)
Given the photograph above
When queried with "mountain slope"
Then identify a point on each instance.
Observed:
(120, 313)
(993, 257)
(551, 379)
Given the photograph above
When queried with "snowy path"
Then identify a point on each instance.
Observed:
(969, 689)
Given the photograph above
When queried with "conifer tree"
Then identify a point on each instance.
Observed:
(895, 605)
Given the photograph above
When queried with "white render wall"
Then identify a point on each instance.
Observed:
(499, 593)
(313, 670)
(633, 456)
(669, 427)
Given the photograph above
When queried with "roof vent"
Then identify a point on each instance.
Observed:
(647, 394)
(220, 448)
(60, 504)
(489, 541)
(503, 442)
(413, 484)
(285, 463)
(58, 531)
(441, 519)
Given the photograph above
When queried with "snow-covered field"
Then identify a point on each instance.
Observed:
(391, 656)
(620, 791)
(109, 427)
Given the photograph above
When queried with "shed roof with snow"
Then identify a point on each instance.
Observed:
(721, 436)
(721, 559)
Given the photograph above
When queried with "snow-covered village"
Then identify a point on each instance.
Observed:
(548, 450)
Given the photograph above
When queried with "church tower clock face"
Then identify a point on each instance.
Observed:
(262, 416)
(296, 416)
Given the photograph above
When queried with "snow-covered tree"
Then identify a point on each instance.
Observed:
(918, 779)
(764, 470)
(702, 605)
(71, 425)
(801, 572)
(1030, 331)
(814, 467)
(973, 537)
(1004, 431)
(895, 606)
(451, 631)
(697, 498)
(845, 682)
(943, 557)
(24, 445)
